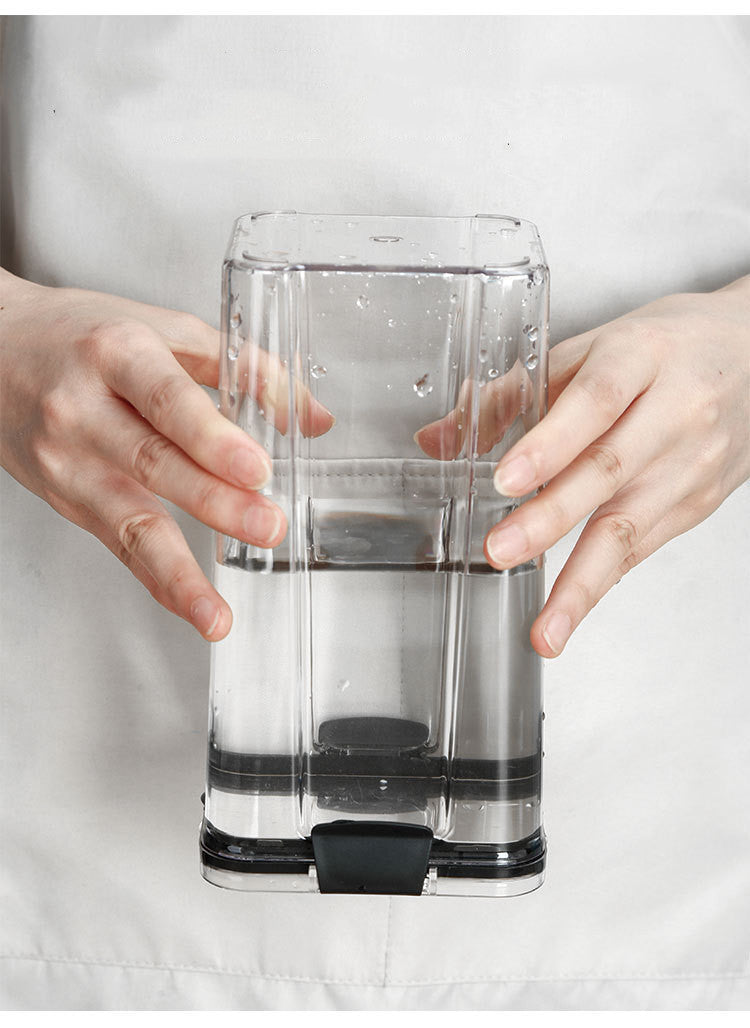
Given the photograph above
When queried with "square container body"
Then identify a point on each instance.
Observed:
(376, 710)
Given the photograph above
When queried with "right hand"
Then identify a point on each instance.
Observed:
(102, 410)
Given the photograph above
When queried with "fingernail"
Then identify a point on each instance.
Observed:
(205, 615)
(261, 524)
(516, 477)
(321, 420)
(250, 469)
(556, 631)
(506, 545)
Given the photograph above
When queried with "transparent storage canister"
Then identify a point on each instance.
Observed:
(375, 718)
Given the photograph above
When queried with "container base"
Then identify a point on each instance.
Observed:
(433, 886)
(453, 869)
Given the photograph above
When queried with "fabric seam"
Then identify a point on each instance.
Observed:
(237, 972)
(387, 941)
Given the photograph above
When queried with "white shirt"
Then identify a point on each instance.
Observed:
(131, 145)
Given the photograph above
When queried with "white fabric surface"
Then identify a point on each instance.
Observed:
(130, 145)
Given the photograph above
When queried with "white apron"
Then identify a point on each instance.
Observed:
(129, 147)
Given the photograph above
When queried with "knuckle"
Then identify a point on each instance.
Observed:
(628, 563)
(620, 530)
(99, 342)
(163, 396)
(713, 453)
(557, 517)
(134, 530)
(208, 497)
(56, 413)
(190, 324)
(715, 495)
(649, 332)
(585, 598)
(708, 499)
(607, 462)
(603, 390)
(48, 458)
(149, 457)
(710, 413)
(123, 555)
(697, 505)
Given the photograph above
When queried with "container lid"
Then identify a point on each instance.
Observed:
(489, 244)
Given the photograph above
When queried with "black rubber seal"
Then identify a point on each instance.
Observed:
(520, 858)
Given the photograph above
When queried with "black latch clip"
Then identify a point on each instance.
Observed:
(377, 857)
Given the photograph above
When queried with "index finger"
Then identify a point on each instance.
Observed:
(500, 401)
(265, 377)
(142, 370)
(615, 372)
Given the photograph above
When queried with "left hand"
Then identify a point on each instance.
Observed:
(648, 428)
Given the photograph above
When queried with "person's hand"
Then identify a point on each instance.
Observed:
(102, 410)
(648, 429)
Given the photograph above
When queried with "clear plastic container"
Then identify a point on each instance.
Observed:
(376, 711)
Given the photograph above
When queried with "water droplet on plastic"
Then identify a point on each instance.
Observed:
(391, 323)
(318, 371)
(538, 276)
(389, 387)
(493, 373)
(531, 361)
(236, 319)
(346, 256)
(483, 354)
(352, 224)
(362, 302)
(386, 239)
(453, 298)
(423, 386)
(232, 351)
(344, 684)
(383, 784)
